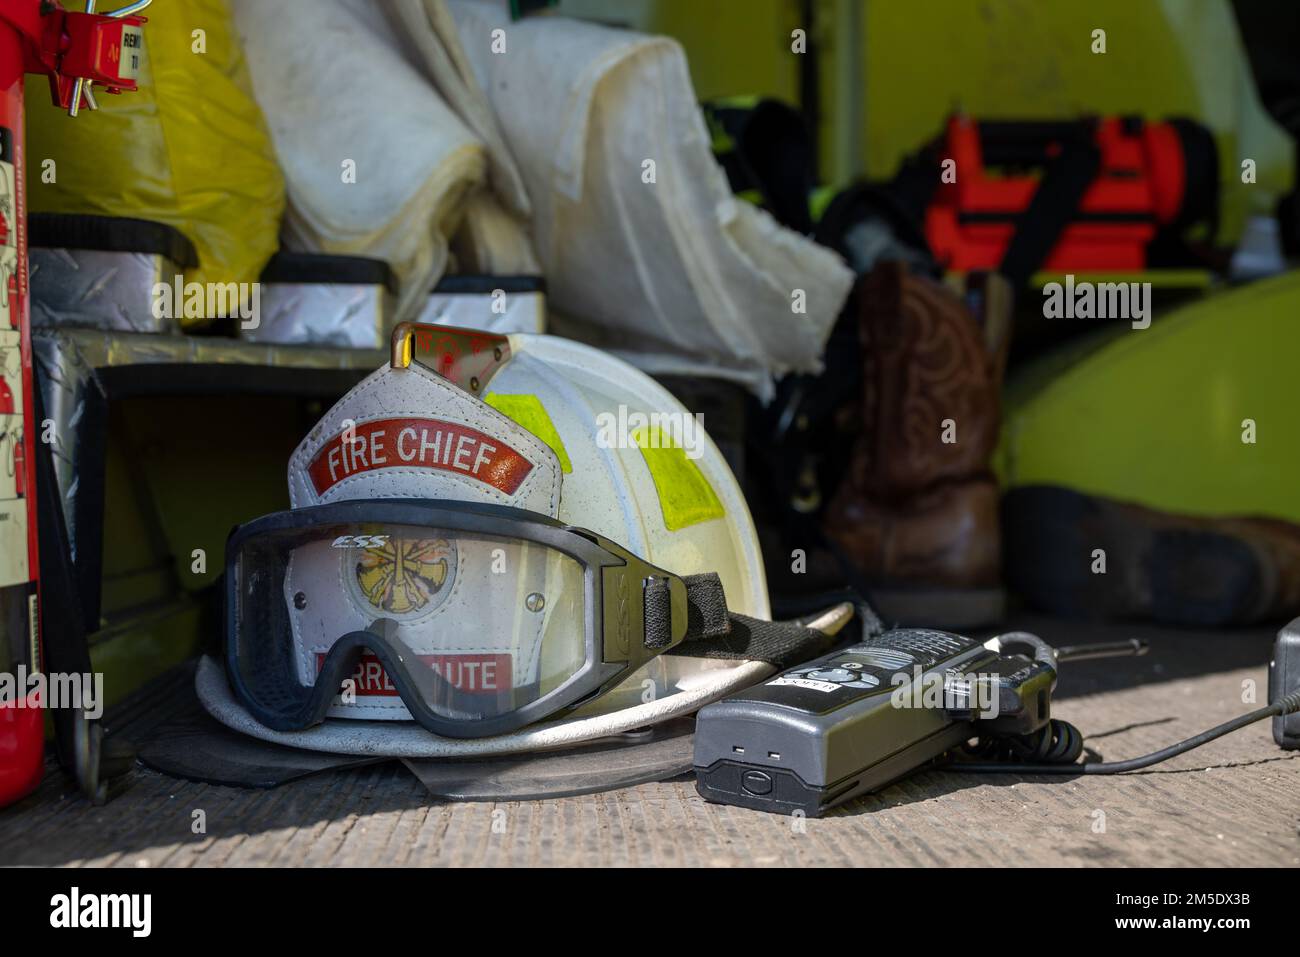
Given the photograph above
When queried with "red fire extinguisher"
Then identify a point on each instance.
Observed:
(79, 52)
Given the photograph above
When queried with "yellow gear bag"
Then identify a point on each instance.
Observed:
(189, 149)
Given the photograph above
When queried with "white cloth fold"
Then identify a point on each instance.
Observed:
(634, 223)
(376, 162)
(426, 33)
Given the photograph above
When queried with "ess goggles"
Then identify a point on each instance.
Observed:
(477, 619)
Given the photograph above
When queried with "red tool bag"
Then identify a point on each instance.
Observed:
(1091, 195)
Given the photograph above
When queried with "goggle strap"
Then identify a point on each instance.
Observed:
(706, 609)
(779, 643)
(714, 632)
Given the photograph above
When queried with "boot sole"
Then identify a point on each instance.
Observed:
(1182, 575)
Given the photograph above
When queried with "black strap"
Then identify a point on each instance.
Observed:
(714, 632)
(321, 268)
(706, 609)
(1066, 178)
(110, 234)
(779, 643)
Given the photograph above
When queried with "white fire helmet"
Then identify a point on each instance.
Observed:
(530, 422)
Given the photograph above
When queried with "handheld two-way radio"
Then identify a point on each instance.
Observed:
(857, 719)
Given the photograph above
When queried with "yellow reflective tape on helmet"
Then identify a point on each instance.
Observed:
(527, 410)
(685, 495)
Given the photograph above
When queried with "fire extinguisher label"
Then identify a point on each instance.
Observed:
(132, 45)
(8, 235)
(13, 504)
(36, 662)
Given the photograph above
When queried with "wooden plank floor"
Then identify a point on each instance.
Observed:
(1234, 802)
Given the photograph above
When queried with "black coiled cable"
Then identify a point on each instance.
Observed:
(1057, 742)
(1287, 704)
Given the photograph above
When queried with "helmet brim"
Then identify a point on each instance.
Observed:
(409, 740)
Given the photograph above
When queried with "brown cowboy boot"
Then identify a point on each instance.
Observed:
(1088, 556)
(917, 513)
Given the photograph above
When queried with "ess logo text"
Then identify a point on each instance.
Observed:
(360, 541)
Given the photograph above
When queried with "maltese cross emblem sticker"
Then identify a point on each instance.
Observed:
(403, 577)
